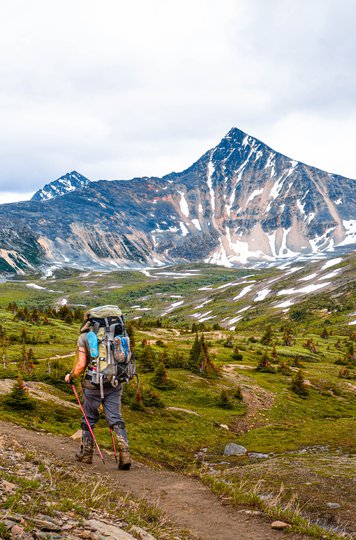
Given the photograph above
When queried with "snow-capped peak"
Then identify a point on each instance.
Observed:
(65, 184)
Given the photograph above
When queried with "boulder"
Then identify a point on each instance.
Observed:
(280, 525)
(333, 505)
(110, 531)
(233, 449)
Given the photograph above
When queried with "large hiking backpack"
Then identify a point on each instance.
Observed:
(111, 358)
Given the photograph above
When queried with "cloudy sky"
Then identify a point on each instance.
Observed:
(118, 89)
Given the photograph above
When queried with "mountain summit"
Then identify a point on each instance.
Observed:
(241, 202)
(65, 184)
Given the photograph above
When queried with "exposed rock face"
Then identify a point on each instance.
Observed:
(65, 184)
(240, 202)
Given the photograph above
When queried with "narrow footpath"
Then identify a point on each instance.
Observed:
(185, 501)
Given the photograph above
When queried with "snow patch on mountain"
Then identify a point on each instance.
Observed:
(331, 262)
(307, 289)
(196, 224)
(243, 292)
(350, 232)
(183, 228)
(261, 295)
(254, 194)
(211, 170)
(183, 204)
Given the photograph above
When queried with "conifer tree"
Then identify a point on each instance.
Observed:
(287, 336)
(24, 335)
(264, 364)
(18, 398)
(131, 333)
(147, 358)
(194, 354)
(298, 384)
(267, 337)
(236, 354)
(324, 334)
(160, 378)
(224, 400)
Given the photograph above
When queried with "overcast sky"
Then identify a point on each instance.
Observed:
(117, 89)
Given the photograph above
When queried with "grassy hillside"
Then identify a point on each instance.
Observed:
(278, 377)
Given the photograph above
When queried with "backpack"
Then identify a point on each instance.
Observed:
(111, 358)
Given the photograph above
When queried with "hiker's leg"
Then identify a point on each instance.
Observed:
(91, 403)
(112, 409)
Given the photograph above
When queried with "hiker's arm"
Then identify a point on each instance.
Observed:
(79, 366)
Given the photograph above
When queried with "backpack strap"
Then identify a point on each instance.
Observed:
(95, 326)
(121, 319)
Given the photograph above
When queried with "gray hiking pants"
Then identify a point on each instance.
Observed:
(111, 405)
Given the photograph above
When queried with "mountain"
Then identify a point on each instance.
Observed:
(241, 202)
(65, 184)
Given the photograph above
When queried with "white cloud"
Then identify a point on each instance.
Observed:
(119, 89)
(9, 196)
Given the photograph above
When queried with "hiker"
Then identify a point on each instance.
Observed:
(102, 330)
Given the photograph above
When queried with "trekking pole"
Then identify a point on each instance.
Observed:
(113, 444)
(87, 422)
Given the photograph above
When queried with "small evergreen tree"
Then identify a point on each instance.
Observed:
(136, 402)
(131, 333)
(264, 364)
(199, 359)
(18, 399)
(146, 358)
(284, 369)
(298, 385)
(24, 335)
(267, 337)
(194, 354)
(151, 398)
(236, 354)
(298, 362)
(287, 336)
(177, 360)
(224, 400)
(324, 334)
(160, 378)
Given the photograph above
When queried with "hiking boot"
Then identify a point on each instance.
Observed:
(86, 450)
(123, 446)
(124, 458)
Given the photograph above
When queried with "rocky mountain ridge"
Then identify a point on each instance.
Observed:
(65, 184)
(240, 203)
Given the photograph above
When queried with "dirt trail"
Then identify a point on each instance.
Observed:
(186, 501)
(257, 400)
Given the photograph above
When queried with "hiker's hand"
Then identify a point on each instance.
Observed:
(68, 378)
